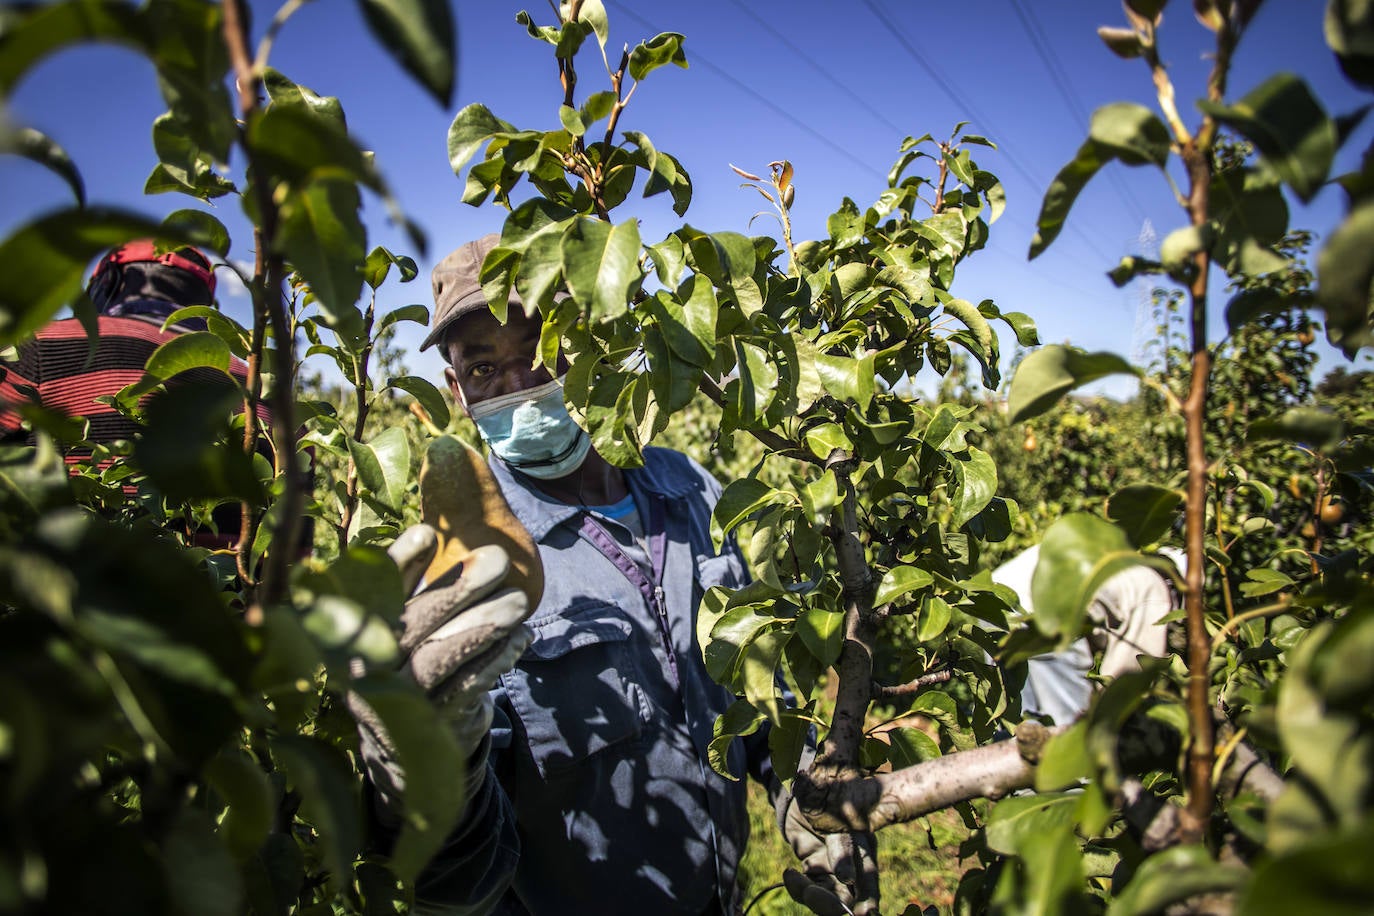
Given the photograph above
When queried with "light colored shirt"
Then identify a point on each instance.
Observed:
(1126, 614)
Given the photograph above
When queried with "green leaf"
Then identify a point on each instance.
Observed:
(1350, 35)
(196, 350)
(1289, 128)
(329, 796)
(1345, 270)
(378, 266)
(975, 475)
(1121, 131)
(968, 313)
(322, 234)
(245, 789)
(42, 149)
(756, 386)
(1172, 876)
(1053, 871)
(293, 144)
(283, 91)
(201, 875)
(759, 659)
(741, 499)
(183, 166)
(1053, 371)
(739, 719)
(601, 264)
(1064, 761)
(900, 581)
(472, 127)
(188, 449)
(1144, 511)
(688, 320)
(648, 56)
(31, 35)
(827, 437)
(1311, 426)
(786, 742)
(415, 312)
(593, 13)
(846, 378)
(44, 262)
(934, 619)
(728, 636)
(1023, 326)
(433, 764)
(1078, 554)
(1016, 824)
(384, 466)
(428, 396)
(207, 231)
(822, 632)
(1260, 302)
(1264, 582)
(910, 746)
(419, 34)
(153, 648)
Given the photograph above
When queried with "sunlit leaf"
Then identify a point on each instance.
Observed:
(426, 394)
(975, 475)
(379, 263)
(648, 56)
(1051, 372)
(900, 581)
(471, 127)
(601, 263)
(741, 499)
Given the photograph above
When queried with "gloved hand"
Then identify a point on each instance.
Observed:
(458, 635)
(828, 881)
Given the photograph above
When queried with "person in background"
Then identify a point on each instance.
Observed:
(1127, 614)
(589, 784)
(134, 289)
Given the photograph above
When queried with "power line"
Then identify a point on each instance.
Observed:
(815, 65)
(973, 112)
(1050, 58)
(759, 97)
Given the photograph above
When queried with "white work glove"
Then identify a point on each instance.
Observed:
(458, 635)
(827, 882)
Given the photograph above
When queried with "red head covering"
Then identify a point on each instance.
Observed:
(187, 259)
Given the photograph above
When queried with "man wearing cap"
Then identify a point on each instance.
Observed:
(134, 289)
(596, 795)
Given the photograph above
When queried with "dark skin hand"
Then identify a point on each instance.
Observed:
(489, 359)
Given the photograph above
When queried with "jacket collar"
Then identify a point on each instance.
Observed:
(540, 513)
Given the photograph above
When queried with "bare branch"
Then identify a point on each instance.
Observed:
(911, 688)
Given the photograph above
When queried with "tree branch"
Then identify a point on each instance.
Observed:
(911, 688)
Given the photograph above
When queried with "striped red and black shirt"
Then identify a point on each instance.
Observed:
(57, 370)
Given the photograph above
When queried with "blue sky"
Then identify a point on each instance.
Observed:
(834, 87)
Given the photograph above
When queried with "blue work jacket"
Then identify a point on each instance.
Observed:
(599, 797)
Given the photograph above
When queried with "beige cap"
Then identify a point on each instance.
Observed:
(458, 286)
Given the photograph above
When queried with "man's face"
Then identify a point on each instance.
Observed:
(489, 359)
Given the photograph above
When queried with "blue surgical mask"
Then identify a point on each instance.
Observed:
(533, 432)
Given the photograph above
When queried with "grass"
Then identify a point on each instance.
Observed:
(918, 862)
